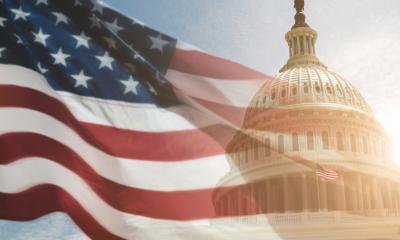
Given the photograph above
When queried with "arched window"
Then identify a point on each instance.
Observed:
(267, 147)
(353, 143)
(295, 142)
(365, 145)
(294, 91)
(281, 144)
(317, 88)
(255, 150)
(329, 90)
(325, 140)
(310, 141)
(305, 88)
(273, 95)
(339, 139)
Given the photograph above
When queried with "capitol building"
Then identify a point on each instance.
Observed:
(309, 119)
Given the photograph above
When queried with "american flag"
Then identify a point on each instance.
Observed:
(326, 173)
(118, 125)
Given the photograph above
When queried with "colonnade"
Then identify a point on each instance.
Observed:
(305, 192)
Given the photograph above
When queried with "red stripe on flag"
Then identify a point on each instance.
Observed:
(326, 173)
(156, 146)
(44, 199)
(203, 64)
(173, 205)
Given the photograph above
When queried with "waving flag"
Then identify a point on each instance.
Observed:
(326, 173)
(119, 126)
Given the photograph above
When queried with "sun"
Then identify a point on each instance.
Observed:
(390, 119)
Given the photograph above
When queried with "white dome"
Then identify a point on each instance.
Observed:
(310, 84)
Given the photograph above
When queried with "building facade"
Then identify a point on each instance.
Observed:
(307, 118)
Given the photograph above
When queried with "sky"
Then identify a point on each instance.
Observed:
(359, 39)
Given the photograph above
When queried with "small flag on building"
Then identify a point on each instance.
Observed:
(326, 173)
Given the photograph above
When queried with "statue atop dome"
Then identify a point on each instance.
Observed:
(300, 18)
(299, 5)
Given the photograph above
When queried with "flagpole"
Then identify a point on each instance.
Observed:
(318, 198)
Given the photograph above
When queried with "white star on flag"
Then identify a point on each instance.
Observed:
(2, 20)
(1, 51)
(41, 69)
(81, 40)
(61, 18)
(151, 89)
(94, 22)
(130, 85)
(20, 14)
(137, 56)
(40, 37)
(105, 61)
(59, 57)
(77, 3)
(38, 2)
(97, 7)
(111, 43)
(113, 26)
(158, 43)
(19, 40)
(81, 79)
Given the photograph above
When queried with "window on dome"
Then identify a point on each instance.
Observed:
(339, 139)
(329, 90)
(325, 140)
(257, 150)
(305, 88)
(353, 143)
(281, 144)
(317, 88)
(295, 142)
(267, 147)
(294, 91)
(365, 145)
(310, 141)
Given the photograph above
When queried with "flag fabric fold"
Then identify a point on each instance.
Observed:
(118, 125)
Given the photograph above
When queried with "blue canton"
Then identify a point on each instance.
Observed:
(85, 48)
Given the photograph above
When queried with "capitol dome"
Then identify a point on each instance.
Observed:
(310, 84)
(306, 119)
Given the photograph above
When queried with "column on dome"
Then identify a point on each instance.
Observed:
(306, 47)
(323, 195)
(389, 203)
(303, 42)
(377, 195)
(297, 45)
(290, 43)
(286, 194)
(313, 45)
(340, 193)
(354, 195)
(360, 192)
(269, 196)
(252, 201)
(304, 191)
